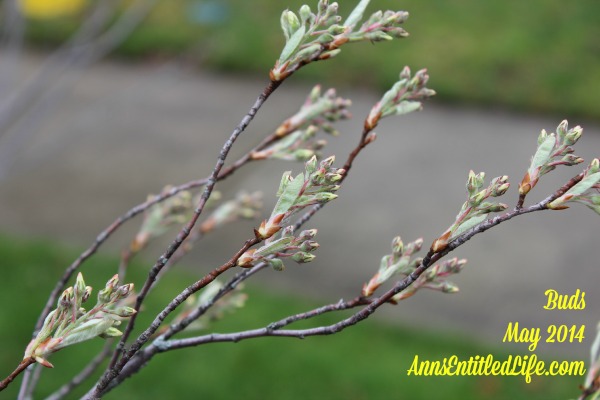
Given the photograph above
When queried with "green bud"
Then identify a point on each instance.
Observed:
(305, 13)
(336, 29)
(124, 312)
(325, 38)
(276, 264)
(397, 246)
(303, 154)
(111, 332)
(571, 159)
(289, 23)
(302, 257)
(449, 287)
(315, 93)
(413, 247)
(562, 129)
(123, 291)
(378, 36)
(307, 234)
(323, 4)
(573, 135)
(80, 284)
(325, 197)
(309, 245)
(327, 163)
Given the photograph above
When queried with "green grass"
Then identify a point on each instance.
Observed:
(368, 361)
(539, 55)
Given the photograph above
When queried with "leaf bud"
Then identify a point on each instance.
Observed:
(573, 135)
(276, 264)
(307, 234)
(247, 259)
(309, 245)
(562, 129)
(303, 154)
(125, 312)
(336, 29)
(327, 163)
(397, 246)
(305, 13)
(302, 257)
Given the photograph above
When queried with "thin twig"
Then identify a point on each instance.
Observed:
(84, 374)
(184, 233)
(161, 344)
(133, 212)
(144, 355)
(372, 304)
(112, 372)
(20, 368)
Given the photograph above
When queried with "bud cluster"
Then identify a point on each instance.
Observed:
(586, 191)
(475, 209)
(298, 248)
(70, 323)
(404, 97)
(312, 36)
(244, 206)
(553, 149)
(400, 262)
(298, 133)
(161, 216)
(434, 278)
(315, 186)
(228, 303)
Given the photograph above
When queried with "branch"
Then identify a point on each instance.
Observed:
(83, 375)
(136, 210)
(185, 232)
(20, 368)
(113, 371)
(372, 304)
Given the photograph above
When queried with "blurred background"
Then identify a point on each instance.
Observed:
(103, 103)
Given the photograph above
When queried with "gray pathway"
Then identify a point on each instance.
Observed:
(126, 131)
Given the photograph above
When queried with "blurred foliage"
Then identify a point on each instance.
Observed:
(539, 55)
(368, 361)
(50, 9)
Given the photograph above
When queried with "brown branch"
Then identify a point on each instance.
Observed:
(372, 304)
(20, 368)
(185, 232)
(112, 372)
(161, 344)
(136, 210)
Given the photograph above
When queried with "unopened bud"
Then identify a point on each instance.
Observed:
(276, 264)
(573, 135)
(327, 163)
(302, 257)
(309, 245)
(123, 291)
(246, 260)
(562, 129)
(307, 234)
(303, 154)
(397, 245)
(305, 13)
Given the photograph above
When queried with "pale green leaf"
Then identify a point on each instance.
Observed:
(289, 195)
(357, 14)
(292, 44)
